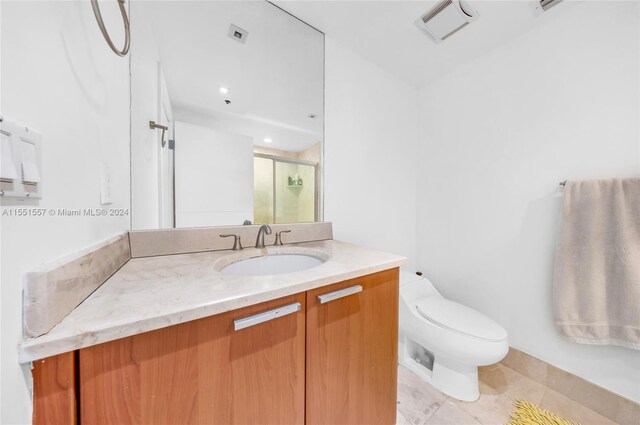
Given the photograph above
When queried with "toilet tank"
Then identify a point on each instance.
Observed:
(413, 287)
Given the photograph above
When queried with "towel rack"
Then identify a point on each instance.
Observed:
(105, 34)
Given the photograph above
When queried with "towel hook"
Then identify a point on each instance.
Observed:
(153, 125)
(127, 32)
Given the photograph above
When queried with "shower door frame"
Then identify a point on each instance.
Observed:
(316, 183)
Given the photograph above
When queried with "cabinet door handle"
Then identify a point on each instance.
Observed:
(345, 292)
(265, 316)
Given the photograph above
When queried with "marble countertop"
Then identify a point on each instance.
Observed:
(156, 292)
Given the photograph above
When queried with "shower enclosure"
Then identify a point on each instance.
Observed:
(285, 190)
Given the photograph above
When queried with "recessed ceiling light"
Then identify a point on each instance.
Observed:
(224, 90)
(267, 140)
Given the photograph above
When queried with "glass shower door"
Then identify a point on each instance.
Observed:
(284, 191)
(262, 190)
(295, 199)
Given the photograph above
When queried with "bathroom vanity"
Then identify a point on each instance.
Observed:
(174, 340)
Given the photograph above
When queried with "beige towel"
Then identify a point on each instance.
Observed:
(596, 280)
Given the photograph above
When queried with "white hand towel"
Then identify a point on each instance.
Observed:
(596, 279)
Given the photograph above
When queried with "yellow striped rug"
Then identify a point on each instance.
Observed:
(525, 413)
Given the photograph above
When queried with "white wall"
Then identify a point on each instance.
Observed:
(214, 176)
(497, 136)
(58, 76)
(151, 192)
(166, 155)
(370, 163)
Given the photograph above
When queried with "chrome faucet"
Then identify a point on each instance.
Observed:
(260, 240)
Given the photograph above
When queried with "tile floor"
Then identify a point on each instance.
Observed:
(421, 404)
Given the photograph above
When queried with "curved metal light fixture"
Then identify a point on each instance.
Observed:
(127, 32)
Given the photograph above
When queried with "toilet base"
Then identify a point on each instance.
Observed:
(453, 378)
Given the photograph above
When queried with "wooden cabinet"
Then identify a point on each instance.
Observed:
(54, 390)
(327, 356)
(200, 372)
(352, 334)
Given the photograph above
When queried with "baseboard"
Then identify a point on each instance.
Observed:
(610, 405)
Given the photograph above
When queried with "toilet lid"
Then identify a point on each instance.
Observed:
(460, 319)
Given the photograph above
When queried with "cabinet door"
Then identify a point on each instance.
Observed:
(54, 390)
(201, 372)
(352, 338)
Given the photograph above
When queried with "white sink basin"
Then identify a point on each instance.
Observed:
(272, 264)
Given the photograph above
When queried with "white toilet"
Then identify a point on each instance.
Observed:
(444, 342)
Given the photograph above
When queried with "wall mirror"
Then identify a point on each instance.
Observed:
(227, 115)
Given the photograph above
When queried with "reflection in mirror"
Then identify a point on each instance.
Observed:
(239, 85)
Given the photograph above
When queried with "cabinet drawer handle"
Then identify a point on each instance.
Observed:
(265, 316)
(345, 292)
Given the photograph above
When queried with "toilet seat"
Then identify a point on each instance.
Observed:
(460, 319)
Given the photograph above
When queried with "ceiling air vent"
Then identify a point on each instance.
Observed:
(548, 4)
(238, 34)
(446, 18)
